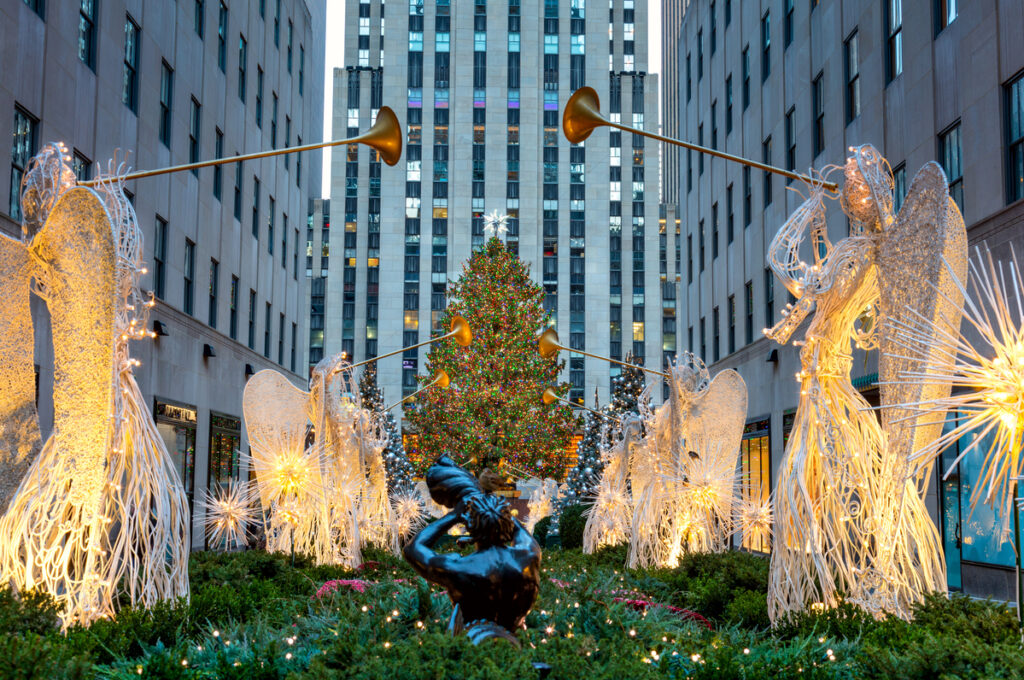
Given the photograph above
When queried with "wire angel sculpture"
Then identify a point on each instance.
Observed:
(684, 479)
(343, 501)
(99, 516)
(542, 503)
(849, 508)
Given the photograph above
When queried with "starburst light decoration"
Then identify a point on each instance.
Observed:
(230, 511)
(985, 365)
(496, 224)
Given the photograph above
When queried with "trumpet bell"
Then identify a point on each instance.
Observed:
(441, 379)
(582, 114)
(463, 333)
(385, 136)
(548, 345)
(549, 396)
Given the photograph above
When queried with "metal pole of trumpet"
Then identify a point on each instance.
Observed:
(441, 379)
(459, 330)
(583, 113)
(385, 136)
(551, 397)
(548, 346)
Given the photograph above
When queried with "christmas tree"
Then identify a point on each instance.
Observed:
(492, 417)
(583, 477)
(396, 463)
(626, 389)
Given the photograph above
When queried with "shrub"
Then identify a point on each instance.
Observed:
(27, 611)
(571, 524)
(540, 530)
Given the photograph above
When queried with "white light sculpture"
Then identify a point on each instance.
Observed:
(609, 518)
(684, 478)
(849, 507)
(100, 516)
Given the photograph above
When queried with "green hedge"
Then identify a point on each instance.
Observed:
(254, 615)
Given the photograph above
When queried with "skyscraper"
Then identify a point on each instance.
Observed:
(480, 87)
(174, 83)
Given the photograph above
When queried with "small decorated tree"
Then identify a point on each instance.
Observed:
(396, 463)
(492, 416)
(583, 477)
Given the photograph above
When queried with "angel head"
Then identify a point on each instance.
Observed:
(868, 189)
(689, 376)
(46, 178)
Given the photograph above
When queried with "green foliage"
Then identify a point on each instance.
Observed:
(571, 524)
(254, 615)
(540, 530)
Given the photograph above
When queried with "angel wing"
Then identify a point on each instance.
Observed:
(275, 411)
(916, 286)
(719, 414)
(19, 432)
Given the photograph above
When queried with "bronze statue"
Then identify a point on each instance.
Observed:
(498, 583)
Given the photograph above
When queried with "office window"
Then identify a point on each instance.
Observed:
(894, 43)
(746, 77)
(689, 79)
(732, 324)
(728, 105)
(284, 241)
(233, 318)
(166, 93)
(298, 162)
(1015, 145)
(243, 51)
(766, 47)
(256, 207)
(37, 6)
(787, 24)
(769, 298)
(715, 335)
(291, 361)
(818, 106)
(238, 191)
(222, 38)
(766, 158)
(714, 125)
(790, 142)
(189, 270)
(851, 60)
(271, 208)
(291, 30)
(267, 331)
(218, 153)
(700, 55)
(945, 13)
(277, 23)
(252, 319)
(214, 284)
(700, 142)
(199, 17)
(703, 338)
(700, 243)
(81, 166)
(23, 147)
(87, 33)
(748, 300)
(273, 120)
(302, 68)
(747, 197)
(130, 84)
(899, 177)
(713, 27)
(259, 96)
(689, 258)
(714, 231)
(287, 139)
(160, 258)
(280, 340)
(730, 220)
(194, 126)
(951, 157)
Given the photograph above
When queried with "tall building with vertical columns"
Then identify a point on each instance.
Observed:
(173, 83)
(479, 87)
(794, 85)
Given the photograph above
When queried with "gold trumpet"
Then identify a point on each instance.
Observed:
(583, 113)
(441, 379)
(385, 136)
(548, 346)
(459, 330)
(550, 397)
